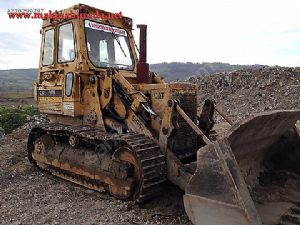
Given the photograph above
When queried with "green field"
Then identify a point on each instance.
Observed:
(13, 117)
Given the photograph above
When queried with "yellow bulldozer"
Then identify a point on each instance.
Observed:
(117, 127)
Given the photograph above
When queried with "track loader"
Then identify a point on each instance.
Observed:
(117, 127)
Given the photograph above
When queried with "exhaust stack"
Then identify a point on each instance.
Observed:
(142, 74)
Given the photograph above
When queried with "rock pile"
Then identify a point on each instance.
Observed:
(33, 121)
(244, 92)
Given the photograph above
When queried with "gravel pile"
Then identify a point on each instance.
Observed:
(33, 121)
(244, 92)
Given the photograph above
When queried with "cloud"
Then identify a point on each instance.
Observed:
(11, 42)
(19, 39)
(234, 31)
(18, 51)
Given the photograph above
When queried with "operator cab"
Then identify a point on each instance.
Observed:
(74, 51)
(108, 42)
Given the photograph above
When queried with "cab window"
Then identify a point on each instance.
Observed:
(108, 46)
(69, 84)
(48, 48)
(66, 45)
(103, 51)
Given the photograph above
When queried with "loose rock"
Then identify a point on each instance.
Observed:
(244, 92)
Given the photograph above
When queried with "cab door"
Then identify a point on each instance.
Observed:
(66, 62)
(48, 87)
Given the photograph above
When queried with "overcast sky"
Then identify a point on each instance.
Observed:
(233, 31)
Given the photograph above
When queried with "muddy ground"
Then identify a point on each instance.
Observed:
(31, 196)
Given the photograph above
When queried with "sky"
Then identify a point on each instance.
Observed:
(232, 31)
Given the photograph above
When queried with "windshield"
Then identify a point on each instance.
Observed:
(108, 46)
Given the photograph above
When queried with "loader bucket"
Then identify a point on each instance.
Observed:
(250, 176)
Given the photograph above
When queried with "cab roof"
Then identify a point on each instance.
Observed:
(78, 9)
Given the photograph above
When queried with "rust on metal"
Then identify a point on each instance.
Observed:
(229, 169)
(193, 125)
(143, 74)
(126, 172)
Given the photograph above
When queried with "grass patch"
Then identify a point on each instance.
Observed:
(13, 117)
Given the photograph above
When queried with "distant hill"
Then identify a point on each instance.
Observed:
(19, 80)
(182, 71)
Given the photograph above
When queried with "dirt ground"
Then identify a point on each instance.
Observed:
(31, 196)
(16, 101)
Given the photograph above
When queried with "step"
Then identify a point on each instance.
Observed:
(154, 183)
(153, 158)
(153, 165)
(148, 149)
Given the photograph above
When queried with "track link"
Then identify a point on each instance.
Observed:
(151, 159)
(152, 162)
